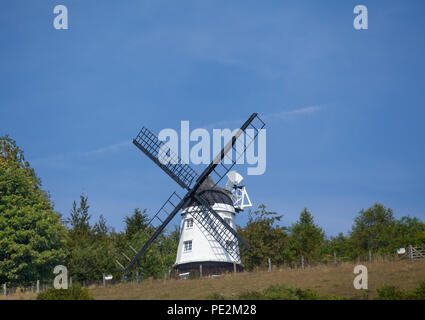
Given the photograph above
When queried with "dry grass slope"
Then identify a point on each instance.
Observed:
(326, 280)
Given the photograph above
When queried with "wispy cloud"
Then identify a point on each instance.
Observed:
(111, 148)
(286, 114)
(282, 115)
(66, 159)
(223, 124)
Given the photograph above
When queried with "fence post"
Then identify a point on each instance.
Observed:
(169, 273)
(104, 281)
(370, 256)
(335, 263)
(5, 289)
(270, 264)
(38, 286)
(70, 281)
(234, 267)
(302, 262)
(410, 253)
(200, 270)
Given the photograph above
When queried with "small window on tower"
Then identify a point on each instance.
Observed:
(189, 223)
(187, 246)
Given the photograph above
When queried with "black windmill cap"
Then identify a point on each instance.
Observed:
(211, 193)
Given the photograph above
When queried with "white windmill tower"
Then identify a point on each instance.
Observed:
(198, 250)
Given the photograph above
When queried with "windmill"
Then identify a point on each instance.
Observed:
(197, 201)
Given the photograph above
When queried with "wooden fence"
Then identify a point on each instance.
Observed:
(416, 253)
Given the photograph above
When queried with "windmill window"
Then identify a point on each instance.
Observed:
(187, 245)
(189, 223)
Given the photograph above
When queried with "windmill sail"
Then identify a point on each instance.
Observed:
(218, 228)
(175, 208)
(237, 146)
(156, 150)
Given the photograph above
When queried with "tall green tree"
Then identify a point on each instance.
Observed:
(373, 229)
(266, 238)
(138, 221)
(92, 248)
(407, 231)
(159, 256)
(341, 246)
(100, 229)
(420, 239)
(31, 233)
(307, 238)
(80, 218)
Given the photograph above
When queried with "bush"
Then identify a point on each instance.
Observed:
(419, 292)
(387, 292)
(216, 296)
(395, 293)
(73, 293)
(289, 293)
(282, 292)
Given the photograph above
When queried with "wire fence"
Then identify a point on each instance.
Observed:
(38, 286)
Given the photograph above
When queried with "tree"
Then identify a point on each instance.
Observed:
(92, 248)
(159, 256)
(31, 233)
(266, 238)
(100, 228)
(373, 229)
(136, 222)
(80, 218)
(341, 245)
(407, 231)
(420, 239)
(168, 244)
(306, 237)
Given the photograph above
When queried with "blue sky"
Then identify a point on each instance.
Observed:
(344, 108)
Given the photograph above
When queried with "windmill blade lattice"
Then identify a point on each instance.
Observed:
(155, 149)
(213, 224)
(173, 203)
(236, 148)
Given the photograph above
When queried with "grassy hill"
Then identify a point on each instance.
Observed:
(326, 280)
